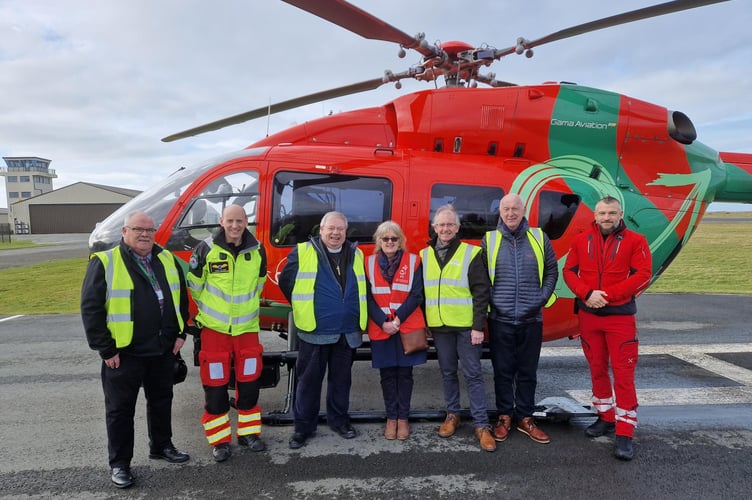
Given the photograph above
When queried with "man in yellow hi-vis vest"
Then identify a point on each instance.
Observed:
(134, 306)
(226, 277)
(325, 281)
(523, 271)
(456, 287)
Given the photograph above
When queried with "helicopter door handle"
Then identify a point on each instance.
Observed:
(383, 150)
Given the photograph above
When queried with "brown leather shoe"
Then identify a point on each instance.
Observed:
(391, 429)
(527, 425)
(501, 429)
(403, 429)
(450, 425)
(487, 442)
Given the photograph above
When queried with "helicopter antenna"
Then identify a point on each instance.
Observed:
(268, 115)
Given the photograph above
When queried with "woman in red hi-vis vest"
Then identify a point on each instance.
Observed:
(395, 294)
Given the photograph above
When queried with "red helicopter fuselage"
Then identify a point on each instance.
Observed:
(561, 147)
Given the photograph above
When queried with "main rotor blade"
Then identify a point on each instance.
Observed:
(276, 108)
(359, 22)
(608, 22)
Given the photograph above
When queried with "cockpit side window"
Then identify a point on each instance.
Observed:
(477, 206)
(556, 211)
(201, 218)
(300, 199)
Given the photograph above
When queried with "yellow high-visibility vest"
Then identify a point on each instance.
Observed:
(535, 236)
(448, 298)
(302, 292)
(120, 290)
(227, 294)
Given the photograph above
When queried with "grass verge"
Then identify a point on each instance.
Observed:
(49, 288)
(717, 259)
(14, 244)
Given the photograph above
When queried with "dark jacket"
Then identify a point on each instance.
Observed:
(517, 295)
(337, 310)
(154, 333)
(620, 265)
(480, 286)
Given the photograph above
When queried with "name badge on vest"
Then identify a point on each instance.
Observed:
(219, 267)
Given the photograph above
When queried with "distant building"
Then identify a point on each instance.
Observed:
(5, 230)
(25, 177)
(75, 208)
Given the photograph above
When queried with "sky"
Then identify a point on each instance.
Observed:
(94, 86)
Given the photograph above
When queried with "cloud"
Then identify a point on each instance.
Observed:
(95, 86)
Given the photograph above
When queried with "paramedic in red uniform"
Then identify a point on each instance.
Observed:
(227, 274)
(607, 267)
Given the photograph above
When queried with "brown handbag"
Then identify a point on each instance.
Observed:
(414, 341)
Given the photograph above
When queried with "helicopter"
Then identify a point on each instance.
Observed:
(560, 146)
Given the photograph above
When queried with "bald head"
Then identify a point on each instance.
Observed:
(234, 221)
(512, 210)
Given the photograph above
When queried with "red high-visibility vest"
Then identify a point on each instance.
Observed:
(390, 298)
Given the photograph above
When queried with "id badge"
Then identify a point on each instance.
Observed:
(160, 295)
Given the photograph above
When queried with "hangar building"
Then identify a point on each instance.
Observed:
(75, 208)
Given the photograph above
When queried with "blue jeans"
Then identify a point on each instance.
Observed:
(452, 347)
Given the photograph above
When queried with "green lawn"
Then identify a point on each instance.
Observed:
(717, 259)
(49, 288)
(14, 244)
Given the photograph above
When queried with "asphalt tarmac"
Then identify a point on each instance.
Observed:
(694, 439)
(51, 247)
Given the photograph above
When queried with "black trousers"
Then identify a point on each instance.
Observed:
(121, 386)
(314, 361)
(515, 351)
(397, 388)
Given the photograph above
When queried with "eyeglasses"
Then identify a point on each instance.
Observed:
(143, 230)
(444, 225)
(393, 239)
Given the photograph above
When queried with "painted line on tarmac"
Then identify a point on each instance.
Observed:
(698, 355)
(11, 317)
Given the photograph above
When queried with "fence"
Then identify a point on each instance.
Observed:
(5, 232)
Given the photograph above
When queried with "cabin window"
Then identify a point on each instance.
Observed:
(300, 199)
(556, 212)
(201, 219)
(477, 206)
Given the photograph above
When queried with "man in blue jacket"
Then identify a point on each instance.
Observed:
(523, 271)
(324, 280)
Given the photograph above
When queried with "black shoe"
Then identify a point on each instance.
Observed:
(600, 428)
(221, 452)
(623, 448)
(252, 441)
(122, 477)
(298, 440)
(171, 454)
(346, 431)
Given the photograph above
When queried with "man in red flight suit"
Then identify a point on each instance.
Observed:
(606, 268)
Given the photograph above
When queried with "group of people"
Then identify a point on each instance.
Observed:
(134, 310)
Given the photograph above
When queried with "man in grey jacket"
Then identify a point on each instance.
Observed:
(523, 271)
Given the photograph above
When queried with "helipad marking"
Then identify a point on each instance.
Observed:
(696, 354)
(11, 317)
